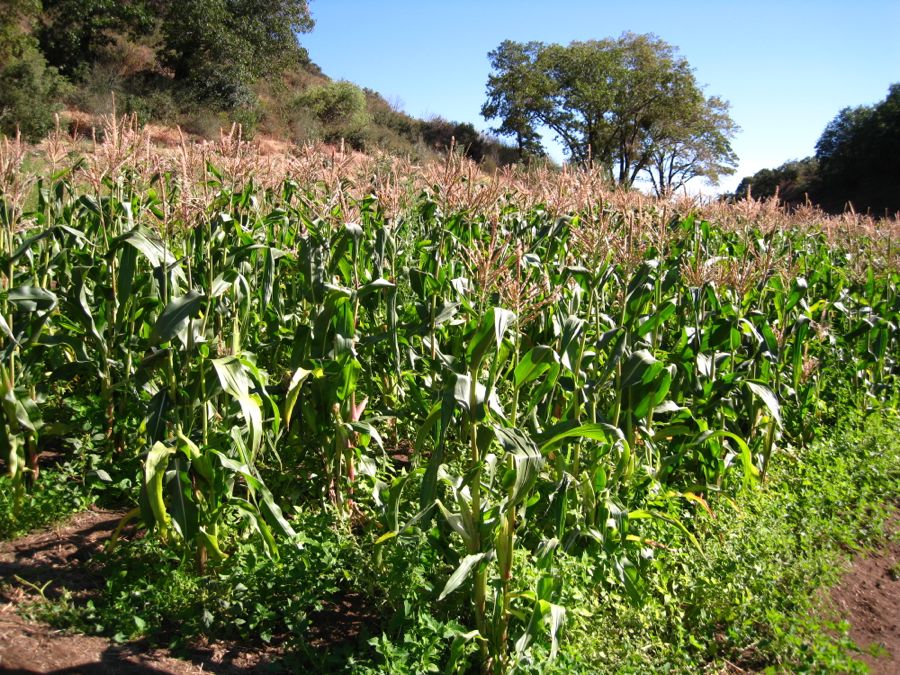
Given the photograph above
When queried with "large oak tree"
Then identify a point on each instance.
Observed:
(629, 105)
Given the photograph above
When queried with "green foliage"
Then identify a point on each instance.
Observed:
(250, 598)
(511, 92)
(858, 156)
(74, 34)
(16, 17)
(754, 598)
(791, 182)
(631, 105)
(30, 90)
(471, 421)
(57, 493)
(216, 49)
(31, 93)
(340, 108)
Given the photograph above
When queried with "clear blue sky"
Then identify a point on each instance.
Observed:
(786, 67)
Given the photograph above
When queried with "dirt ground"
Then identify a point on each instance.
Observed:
(60, 556)
(868, 597)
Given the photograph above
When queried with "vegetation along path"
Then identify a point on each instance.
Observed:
(58, 560)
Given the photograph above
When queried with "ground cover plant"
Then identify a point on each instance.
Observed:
(484, 415)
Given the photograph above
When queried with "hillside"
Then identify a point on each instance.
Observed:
(165, 65)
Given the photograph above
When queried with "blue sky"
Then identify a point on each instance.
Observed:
(786, 67)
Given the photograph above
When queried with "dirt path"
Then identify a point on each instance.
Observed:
(868, 597)
(61, 556)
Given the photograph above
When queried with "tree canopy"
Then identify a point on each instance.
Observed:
(219, 47)
(30, 90)
(74, 33)
(212, 50)
(630, 105)
(859, 156)
(857, 162)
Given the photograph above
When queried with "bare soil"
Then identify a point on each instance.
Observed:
(868, 598)
(59, 559)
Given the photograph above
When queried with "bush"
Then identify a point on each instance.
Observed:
(248, 118)
(30, 95)
(100, 90)
(340, 107)
(225, 86)
(157, 105)
(304, 126)
(203, 122)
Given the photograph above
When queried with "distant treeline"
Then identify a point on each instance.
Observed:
(857, 163)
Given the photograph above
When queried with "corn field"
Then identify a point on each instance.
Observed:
(521, 367)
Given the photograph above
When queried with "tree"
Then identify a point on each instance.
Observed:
(30, 90)
(73, 34)
(340, 107)
(792, 182)
(859, 156)
(219, 47)
(16, 17)
(695, 145)
(630, 105)
(512, 95)
(857, 162)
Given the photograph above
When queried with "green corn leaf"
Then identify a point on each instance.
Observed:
(646, 396)
(641, 367)
(148, 243)
(373, 286)
(392, 510)
(233, 376)
(83, 309)
(272, 513)
(32, 299)
(456, 650)
(490, 333)
(367, 428)
(462, 526)
(745, 455)
(631, 579)
(535, 363)
(175, 316)
(527, 461)
(462, 573)
(211, 543)
(556, 617)
(184, 512)
(252, 412)
(293, 393)
(655, 320)
(4, 326)
(127, 268)
(572, 429)
(768, 398)
(156, 415)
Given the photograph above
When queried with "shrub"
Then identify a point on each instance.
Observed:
(100, 91)
(340, 107)
(30, 94)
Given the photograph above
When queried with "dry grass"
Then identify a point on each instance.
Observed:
(332, 180)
